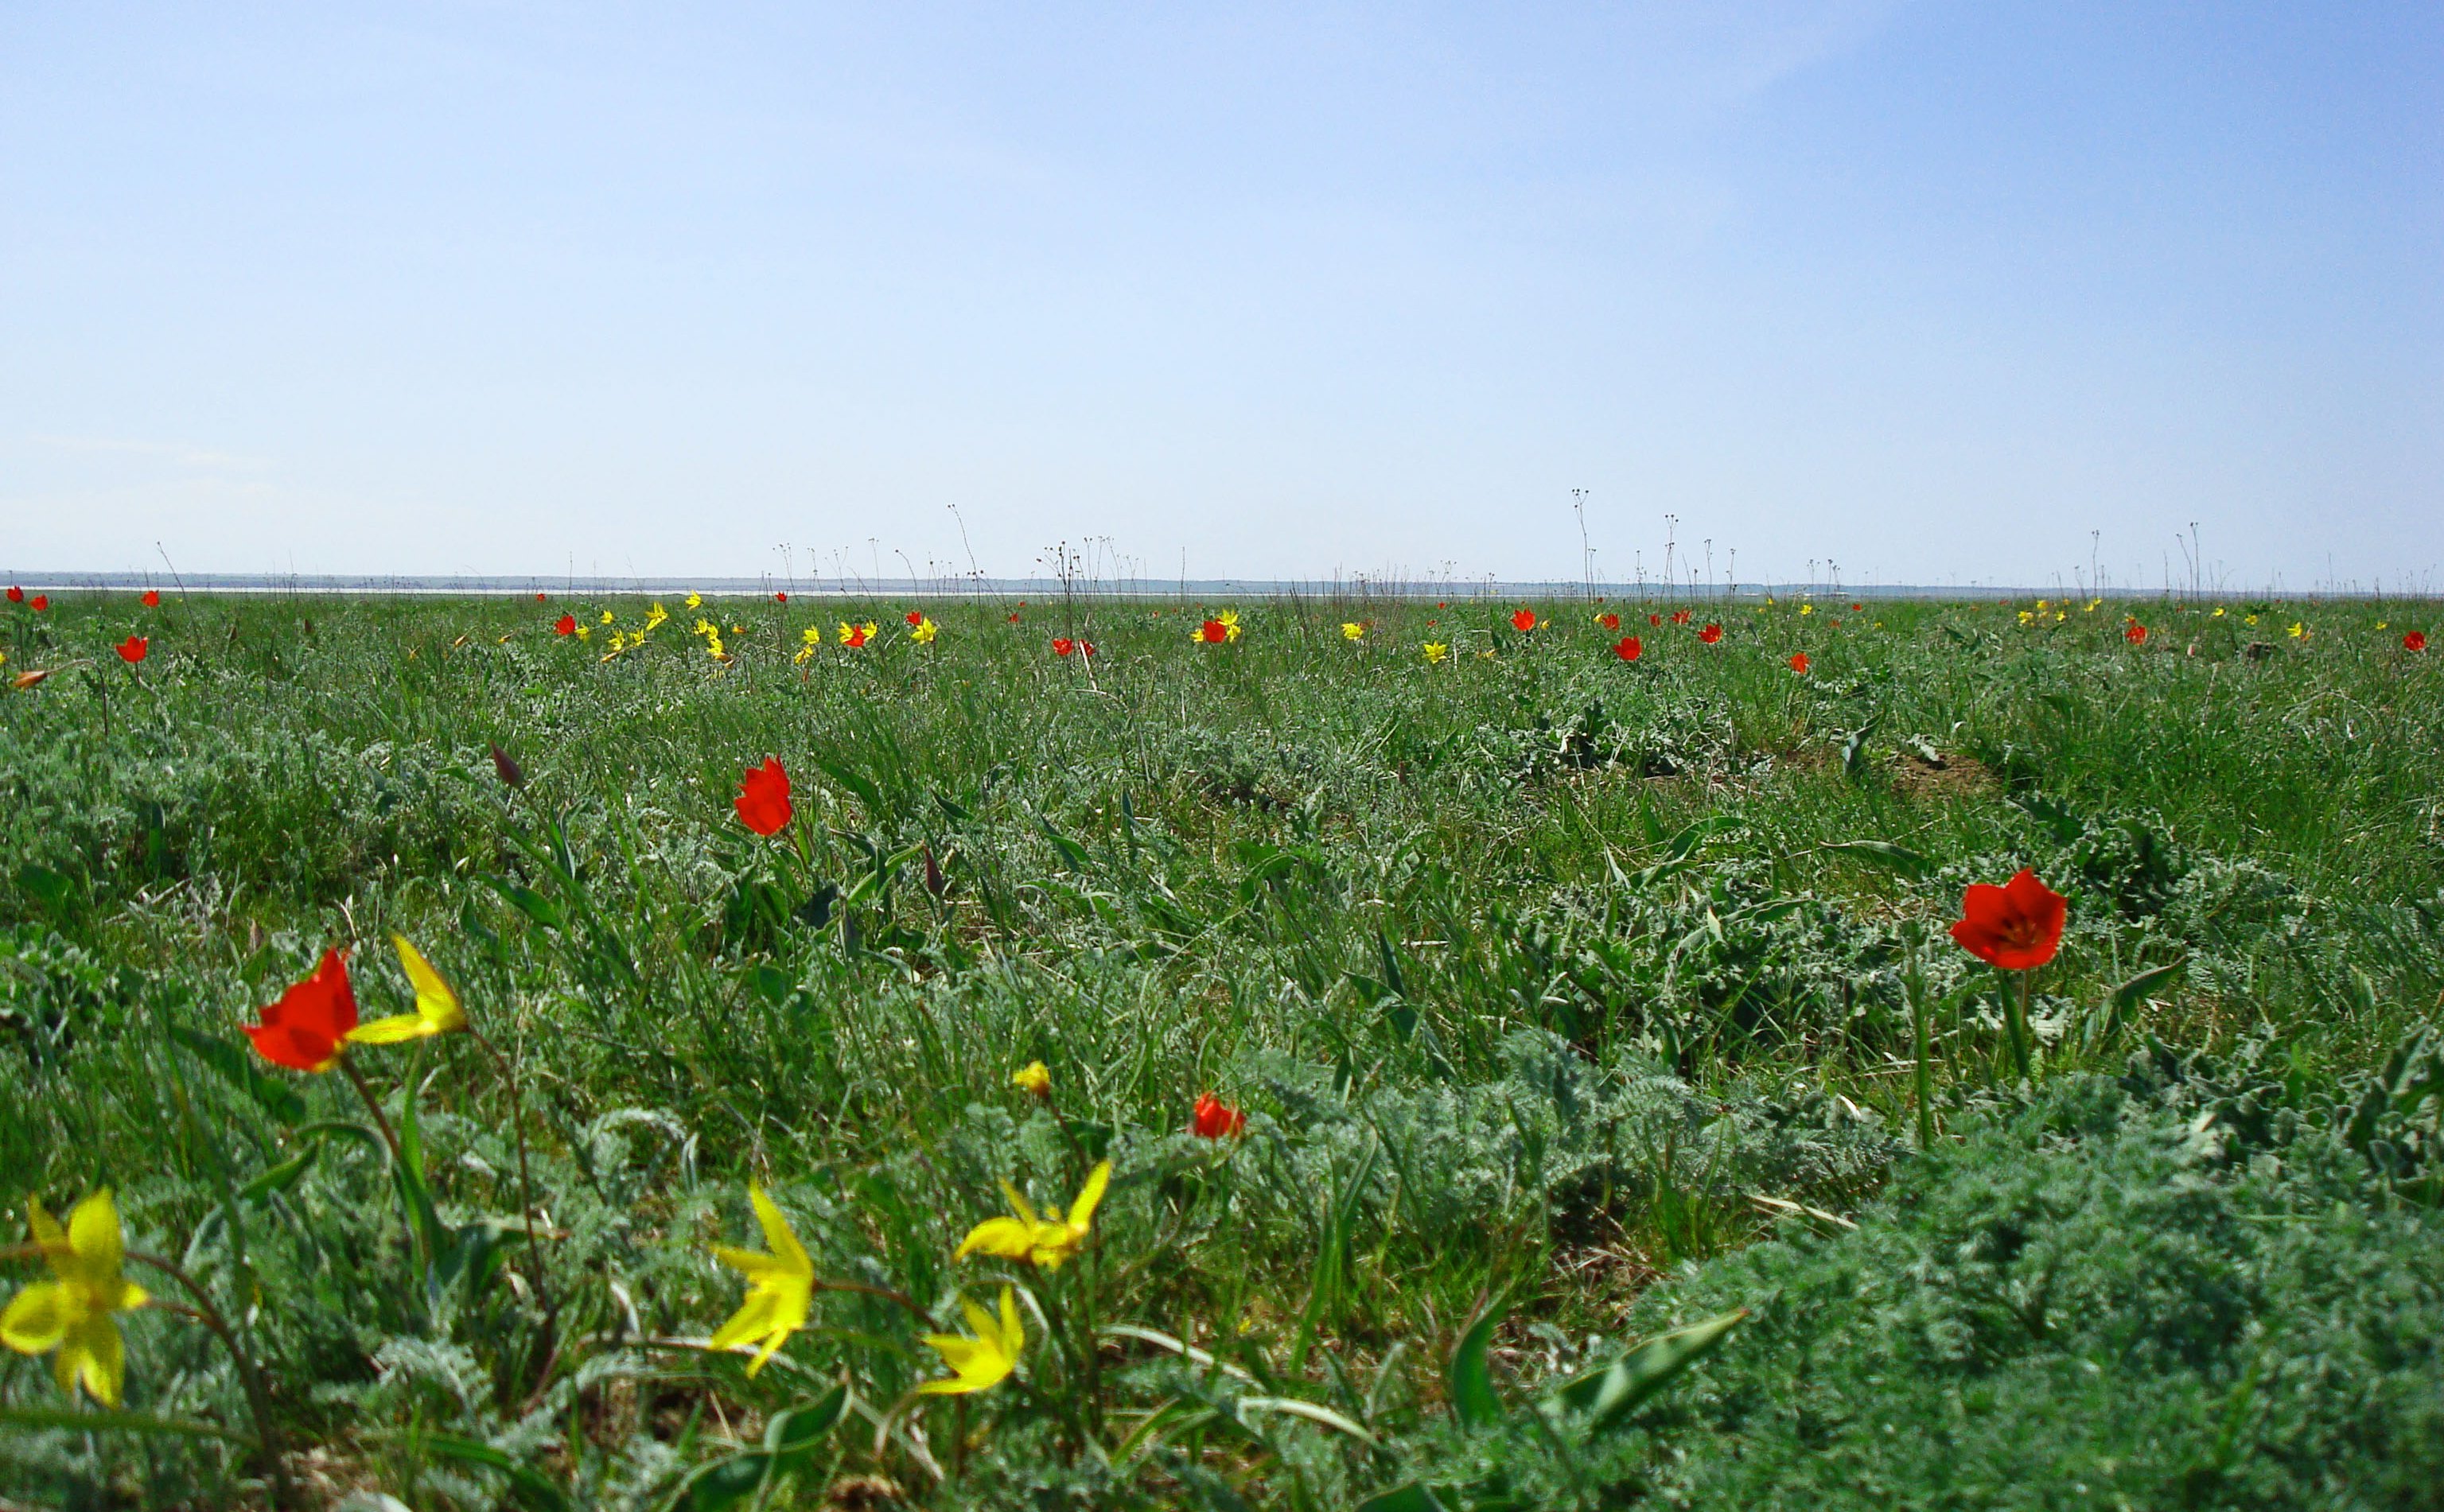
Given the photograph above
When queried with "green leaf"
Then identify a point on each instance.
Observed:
(798, 1431)
(2133, 993)
(1473, 1395)
(1607, 1394)
(525, 900)
(1312, 1411)
(237, 1067)
(281, 1176)
(1883, 852)
(1410, 1498)
(119, 1422)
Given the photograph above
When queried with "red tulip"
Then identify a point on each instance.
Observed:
(2017, 926)
(763, 798)
(1216, 1118)
(1524, 620)
(42, 601)
(1062, 645)
(1711, 634)
(2415, 641)
(308, 1028)
(132, 650)
(1652, 620)
(152, 598)
(1014, 617)
(1086, 648)
(1858, 608)
(17, 595)
(780, 598)
(538, 598)
(1609, 622)
(1214, 632)
(566, 625)
(1629, 649)
(915, 618)
(2136, 634)
(1799, 663)
(1680, 616)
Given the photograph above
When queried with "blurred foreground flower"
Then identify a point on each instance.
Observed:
(72, 1313)
(1044, 1241)
(983, 1358)
(780, 1285)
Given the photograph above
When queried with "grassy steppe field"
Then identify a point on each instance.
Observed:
(1616, 1120)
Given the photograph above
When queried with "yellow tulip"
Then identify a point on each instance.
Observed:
(1044, 1241)
(1350, 630)
(923, 632)
(437, 1006)
(696, 600)
(780, 1285)
(1435, 651)
(72, 1312)
(983, 1361)
(1033, 1077)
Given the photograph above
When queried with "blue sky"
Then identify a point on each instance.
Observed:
(1933, 290)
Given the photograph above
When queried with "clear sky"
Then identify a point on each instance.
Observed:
(1933, 290)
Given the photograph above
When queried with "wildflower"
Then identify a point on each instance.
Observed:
(1629, 649)
(586, 632)
(1033, 1077)
(1062, 645)
(1044, 1241)
(655, 616)
(307, 1029)
(152, 598)
(1654, 621)
(71, 1313)
(1807, 609)
(2092, 604)
(2298, 630)
(564, 625)
(2017, 926)
(538, 598)
(1014, 617)
(2415, 640)
(924, 631)
(1216, 1119)
(2248, 620)
(780, 598)
(1351, 630)
(1799, 663)
(437, 1006)
(763, 800)
(1680, 616)
(1086, 649)
(507, 769)
(2028, 618)
(713, 647)
(855, 636)
(915, 618)
(1858, 608)
(2135, 633)
(1435, 651)
(696, 600)
(1608, 621)
(17, 595)
(2218, 614)
(607, 616)
(1523, 620)
(780, 1285)
(42, 602)
(984, 1360)
(1711, 634)
(132, 650)
(1212, 632)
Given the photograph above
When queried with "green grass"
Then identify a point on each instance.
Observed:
(1559, 990)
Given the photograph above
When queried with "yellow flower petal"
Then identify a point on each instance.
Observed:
(394, 1030)
(37, 1319)
(1009, 1237)
(93, 1233)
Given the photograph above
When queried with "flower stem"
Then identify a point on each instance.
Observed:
(382, 1120)
(526, 1197)
(258, 1399)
